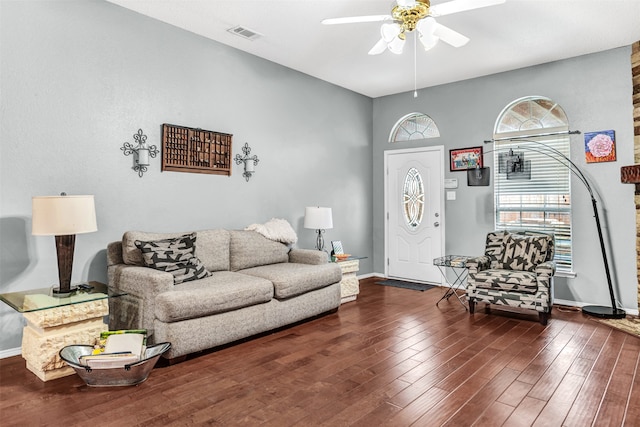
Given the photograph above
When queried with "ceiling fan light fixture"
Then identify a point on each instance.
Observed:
(426, 30)
(390, 31)
(427, 25)
(396, 45)
(428, 40)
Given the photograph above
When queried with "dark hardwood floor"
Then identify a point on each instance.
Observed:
(391, 358)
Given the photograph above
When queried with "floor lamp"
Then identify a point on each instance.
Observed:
(63, 217)
(612, 312)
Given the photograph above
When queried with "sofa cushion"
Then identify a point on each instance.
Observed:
(523, 253)
(222, 291)
(250, 249)
(290, 279)
(175, 256)
(212, 247)
(507, 280)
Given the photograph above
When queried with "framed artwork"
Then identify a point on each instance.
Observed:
(336, 245)
(600, 146)
(463, 159)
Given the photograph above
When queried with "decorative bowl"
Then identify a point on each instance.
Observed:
(342, 257)
(131, 374)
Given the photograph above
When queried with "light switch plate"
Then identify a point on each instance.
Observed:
(451, 195)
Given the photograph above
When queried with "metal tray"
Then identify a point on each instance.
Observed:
(132, 374)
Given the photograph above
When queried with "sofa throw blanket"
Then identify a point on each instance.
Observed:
(276, 229)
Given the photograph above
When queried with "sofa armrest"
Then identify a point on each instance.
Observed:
(143, 282)
(544, 273)
(114, 253)
(478, 264)
(141, 285)
(308, 256)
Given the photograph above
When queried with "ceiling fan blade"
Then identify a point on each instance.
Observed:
(356, 19)
(378, 48)
(449, 36)
(456, 6)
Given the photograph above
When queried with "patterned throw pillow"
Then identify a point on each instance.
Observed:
(524, 253)
(494, 246)
(175, 256)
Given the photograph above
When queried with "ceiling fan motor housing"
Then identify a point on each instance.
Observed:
(408, 17)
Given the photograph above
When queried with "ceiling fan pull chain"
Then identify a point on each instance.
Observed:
(415, 65)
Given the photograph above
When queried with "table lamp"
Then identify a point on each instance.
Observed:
(319, 219)
(63, 217)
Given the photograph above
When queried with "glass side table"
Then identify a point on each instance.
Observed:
(53, 323)
(349, 285)
(458, 265)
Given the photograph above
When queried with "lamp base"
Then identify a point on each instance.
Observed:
(320, 240)
(57, 293)
(604, 312)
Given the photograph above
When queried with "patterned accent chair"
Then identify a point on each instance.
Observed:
(516, 270)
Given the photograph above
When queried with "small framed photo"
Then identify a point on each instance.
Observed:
(600, 146)
(336, 245)
(463, 159)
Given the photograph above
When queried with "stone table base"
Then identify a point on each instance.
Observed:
(49, 330)
(349, 285)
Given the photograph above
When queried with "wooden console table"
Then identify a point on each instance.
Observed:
(53, 323)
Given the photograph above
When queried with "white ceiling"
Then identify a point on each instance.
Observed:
(513, 35)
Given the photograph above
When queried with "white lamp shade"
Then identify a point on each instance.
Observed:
(318, 218)
(63, 215)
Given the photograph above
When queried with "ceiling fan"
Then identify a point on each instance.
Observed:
(410, 15)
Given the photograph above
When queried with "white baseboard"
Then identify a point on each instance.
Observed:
(366, 276)
(10, 352)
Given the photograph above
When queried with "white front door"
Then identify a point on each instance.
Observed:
(414, 203)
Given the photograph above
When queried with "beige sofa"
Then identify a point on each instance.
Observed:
(255, 285)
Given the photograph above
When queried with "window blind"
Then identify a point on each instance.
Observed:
(535, 194)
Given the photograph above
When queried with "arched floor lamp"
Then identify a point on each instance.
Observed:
(480, 177)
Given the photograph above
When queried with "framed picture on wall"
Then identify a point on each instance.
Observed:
(600, 146)
(463, 159)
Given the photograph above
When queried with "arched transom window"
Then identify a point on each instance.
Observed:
(414, 126)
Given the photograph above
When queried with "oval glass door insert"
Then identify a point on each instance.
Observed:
(413, 198)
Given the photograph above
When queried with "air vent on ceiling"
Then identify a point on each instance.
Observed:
(244, 32)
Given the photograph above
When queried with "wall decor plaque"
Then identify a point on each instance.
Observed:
(195, 150)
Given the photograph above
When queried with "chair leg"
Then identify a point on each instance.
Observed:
(544, 317)
(472, 306)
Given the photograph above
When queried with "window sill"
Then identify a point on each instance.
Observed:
(567, 274)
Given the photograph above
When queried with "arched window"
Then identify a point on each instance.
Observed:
(414, 126)
(533, 189)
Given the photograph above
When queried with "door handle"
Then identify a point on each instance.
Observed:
(436, 224)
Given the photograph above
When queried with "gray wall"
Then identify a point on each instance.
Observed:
(595, 92)
(80, 77)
